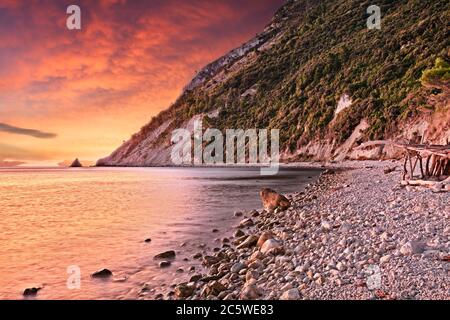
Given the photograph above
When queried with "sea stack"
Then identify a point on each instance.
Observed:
(76, 164)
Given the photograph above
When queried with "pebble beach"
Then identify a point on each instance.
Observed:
(354, 234)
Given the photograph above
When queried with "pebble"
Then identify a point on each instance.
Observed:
(385, 259)
(238, 266)
(164, 264)
(270, 245)
(291, 294)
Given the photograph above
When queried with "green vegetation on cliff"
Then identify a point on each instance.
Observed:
(327, 51)
(439, 73)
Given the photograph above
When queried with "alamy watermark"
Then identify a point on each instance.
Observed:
(73, 21)
(374, 20)
(373, 277)
(207, 148)
(74, 279)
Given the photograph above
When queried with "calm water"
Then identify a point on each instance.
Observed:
(97, 218)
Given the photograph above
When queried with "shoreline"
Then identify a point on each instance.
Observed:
(353, 234)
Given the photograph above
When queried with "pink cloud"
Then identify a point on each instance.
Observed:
(130, 60)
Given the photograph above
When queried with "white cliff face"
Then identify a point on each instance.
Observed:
(145, 152)
(150, 151)
(344, 102)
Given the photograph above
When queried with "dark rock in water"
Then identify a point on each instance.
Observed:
(76, 164)
(210, 260)
(215, 230)
(164, 264)
(239, 233)
(238, 214)
(105, 273)
(198, 255)
(184, 290)
(166, 255)
(31, 291)
(195, 278)
(148, 240)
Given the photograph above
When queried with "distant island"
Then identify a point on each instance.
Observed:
(76, 164)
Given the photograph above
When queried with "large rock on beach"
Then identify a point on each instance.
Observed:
(271, 245)
(272, 200)
(184, 290)
(166, 255)
(266, 235)
(29, 292)
(104, 273)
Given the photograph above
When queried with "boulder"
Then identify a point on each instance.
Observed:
(210, 260)
(104, 273)
(270, 245)
(239, 233)
(184, 290)
(166, 255)
(272, 200)
(164, 264)
(31, 291)
(198, 255)
(195, 278)
(291, 294)
(266, 235)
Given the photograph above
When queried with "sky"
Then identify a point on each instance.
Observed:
(67, 94)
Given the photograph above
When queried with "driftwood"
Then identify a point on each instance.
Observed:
(433, 163)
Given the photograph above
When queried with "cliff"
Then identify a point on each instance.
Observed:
(331, 85)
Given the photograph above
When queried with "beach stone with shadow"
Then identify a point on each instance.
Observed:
(104, 273)
(166, 255)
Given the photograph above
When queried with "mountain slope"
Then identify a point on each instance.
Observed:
(324, 79)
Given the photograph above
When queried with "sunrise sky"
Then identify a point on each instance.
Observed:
(69, 93)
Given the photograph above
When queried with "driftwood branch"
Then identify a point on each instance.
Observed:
(434, 173)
